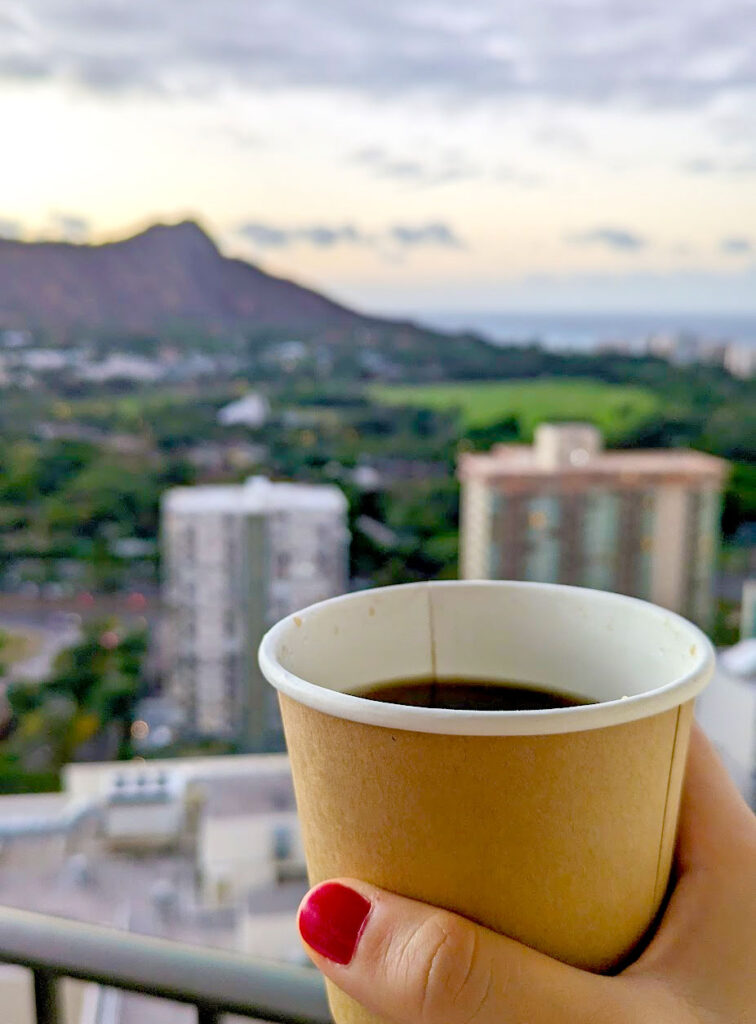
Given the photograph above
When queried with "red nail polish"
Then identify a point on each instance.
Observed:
(331, 920)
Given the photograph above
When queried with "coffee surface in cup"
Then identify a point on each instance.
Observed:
(460, 694)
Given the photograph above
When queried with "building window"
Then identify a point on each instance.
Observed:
(189, 552)
(231, 552)
(188, 626)
(283, 562)
(187, 680)
(229, 622)
(230, 666)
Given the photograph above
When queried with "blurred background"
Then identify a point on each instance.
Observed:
(300, 297)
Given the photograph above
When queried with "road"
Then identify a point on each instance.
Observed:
(54, 630)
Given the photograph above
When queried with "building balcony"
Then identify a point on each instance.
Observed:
(144, 885)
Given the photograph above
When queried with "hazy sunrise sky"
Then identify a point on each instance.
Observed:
(403, 155)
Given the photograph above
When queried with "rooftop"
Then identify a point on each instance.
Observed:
(575, 450)
(255, 495)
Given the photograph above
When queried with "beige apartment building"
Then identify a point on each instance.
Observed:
(643, 523)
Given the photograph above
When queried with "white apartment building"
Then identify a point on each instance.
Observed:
(740, 359)
(236, 558)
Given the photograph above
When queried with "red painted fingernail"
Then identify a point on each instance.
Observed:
(331, 920)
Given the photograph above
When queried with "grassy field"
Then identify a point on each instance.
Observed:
(615, 408)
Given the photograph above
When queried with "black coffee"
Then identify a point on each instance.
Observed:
(471, 695)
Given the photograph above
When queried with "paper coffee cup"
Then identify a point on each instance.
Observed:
(554, 827)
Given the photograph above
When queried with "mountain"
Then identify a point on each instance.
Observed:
(166, 275)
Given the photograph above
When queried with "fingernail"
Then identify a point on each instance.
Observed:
(331, 920)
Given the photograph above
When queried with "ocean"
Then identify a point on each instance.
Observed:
(583, 331)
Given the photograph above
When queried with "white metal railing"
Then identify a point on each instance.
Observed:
(214, 981)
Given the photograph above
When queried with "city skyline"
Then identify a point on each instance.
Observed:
(411, 158)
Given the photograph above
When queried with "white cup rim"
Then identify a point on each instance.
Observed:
(679, 690)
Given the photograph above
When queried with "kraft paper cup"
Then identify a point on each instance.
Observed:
(554, 827)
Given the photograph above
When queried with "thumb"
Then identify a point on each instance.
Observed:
(417, 964)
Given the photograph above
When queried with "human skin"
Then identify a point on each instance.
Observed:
(416, 964)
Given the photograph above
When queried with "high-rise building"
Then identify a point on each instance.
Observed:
(236, 559)
(740, 359)
(644, 523)
(748, 611)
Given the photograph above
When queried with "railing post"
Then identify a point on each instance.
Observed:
(46, 1002)
(208, 1015)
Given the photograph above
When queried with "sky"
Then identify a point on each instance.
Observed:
(404, 156)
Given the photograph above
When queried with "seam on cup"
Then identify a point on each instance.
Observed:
(432, 636)
(665, 825)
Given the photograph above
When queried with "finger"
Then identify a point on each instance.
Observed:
(716, 825)
(704, 945)
(416, 964)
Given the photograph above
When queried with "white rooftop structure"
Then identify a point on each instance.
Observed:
(258, 494)
(251, 410)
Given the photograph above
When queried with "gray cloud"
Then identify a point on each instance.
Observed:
(706, 166)
(701, 165)
(242, 138)
(271, 236)
(681, 249)
(321, 236)
(557, 135)
(515, 176)
(435, 234)
(439, 169)
(610, 237)
(736, 246)
(595, 51)
(69, 227)
(10, 229)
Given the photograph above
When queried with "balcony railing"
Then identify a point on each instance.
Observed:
(214, 981)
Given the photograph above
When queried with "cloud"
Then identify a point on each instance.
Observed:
(69, 227)
(619, 239)
(438, 169)
(10, 229)
(560, 136)
(238, 135)
(681, 249)
(322, 236)
(435, 234)
(590, 51)
(706, 166)
(701, 165)
(271, 236)
(516, 176)
(736, 246)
